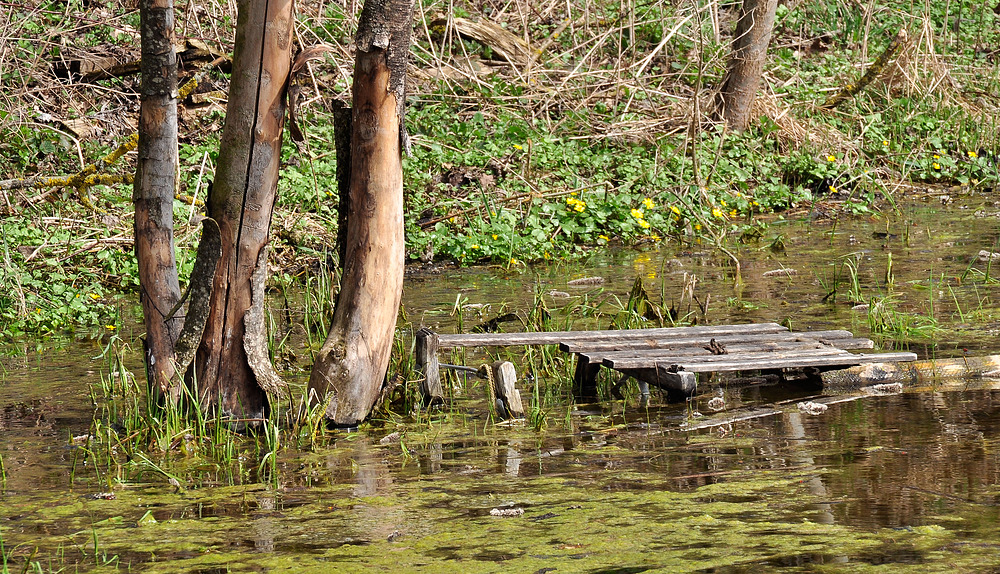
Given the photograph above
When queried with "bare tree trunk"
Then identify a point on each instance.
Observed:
(351, 366)
(230, 372)
(753, 34)
(153, 194)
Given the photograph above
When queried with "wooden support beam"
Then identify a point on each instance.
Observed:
(585, 379)
(677, 383)
(428, 365)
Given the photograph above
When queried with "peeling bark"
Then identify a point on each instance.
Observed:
(753, 34)
(242, 202)
(153, 195)
(351, 366)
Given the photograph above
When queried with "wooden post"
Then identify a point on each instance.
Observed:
(585, 379)
(427, 363)
(504, 379)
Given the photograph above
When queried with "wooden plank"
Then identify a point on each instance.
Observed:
(792, 362)
(834, 337)
(633, 362)
(686, 352)
(556, 337)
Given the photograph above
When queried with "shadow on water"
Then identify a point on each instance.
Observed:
(907, 480)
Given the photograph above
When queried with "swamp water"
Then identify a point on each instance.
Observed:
(904, 482)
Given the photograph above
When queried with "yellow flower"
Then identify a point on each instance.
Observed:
(37, 310)
(718, 213)
(475, 246)
(733, 213)
(94, 296)
(110, 327)
(675, 210)
(697, 227)
(936, 156)
(513, 261)
(495, 236)
(831, 158)
(936, 165)
(833, 189)
(517, 147)
(643, 224)
(604, 238)
(885, 143)
(723, 202)
(637, 213)
(973, 155)
(654, 237)
(648, 203)
(575, 204)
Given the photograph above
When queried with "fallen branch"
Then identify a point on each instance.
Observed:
(873, 72)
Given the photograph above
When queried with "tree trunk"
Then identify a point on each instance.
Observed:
(153, 195)
(231, 371)
(351, 366)
(753, 34)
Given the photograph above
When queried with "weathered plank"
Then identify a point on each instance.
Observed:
(835, 338)
(691, 352)
(633, 362)
(793, 362)
(556, 337)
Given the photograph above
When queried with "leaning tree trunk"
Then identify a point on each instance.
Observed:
(753, 34)
(153, 194)
(351, 366)
(232, 372)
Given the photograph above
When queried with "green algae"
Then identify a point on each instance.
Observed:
(592, 519)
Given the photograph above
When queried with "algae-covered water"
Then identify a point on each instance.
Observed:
(895, 483)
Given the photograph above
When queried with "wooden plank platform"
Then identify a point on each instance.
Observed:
(670, 357)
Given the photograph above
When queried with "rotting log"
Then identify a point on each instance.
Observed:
(153, 195)
(350, 367)
(913, 373)
(242, 201)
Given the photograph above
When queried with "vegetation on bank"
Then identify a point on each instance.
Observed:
(600, 133)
